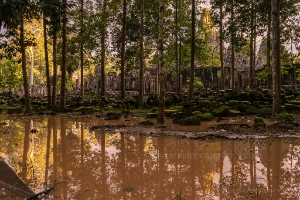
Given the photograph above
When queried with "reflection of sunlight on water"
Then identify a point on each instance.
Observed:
(139, 167)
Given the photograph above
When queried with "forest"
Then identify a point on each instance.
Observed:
(60, 44)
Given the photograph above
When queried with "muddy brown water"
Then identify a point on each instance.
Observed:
(84, 164)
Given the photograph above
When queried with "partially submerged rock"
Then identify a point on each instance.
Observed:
(284, 125)
(259, 123)
(113, 116)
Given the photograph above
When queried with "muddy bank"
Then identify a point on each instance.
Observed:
(228, 128)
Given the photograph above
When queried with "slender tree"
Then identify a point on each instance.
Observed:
(178, 71)
(252, 61)
(81, 48)
(192, 70)
(103, 47)
(64, 58)
(276, 55)
(161, 106)
(221, 46)
(232, 46)
(47, 60)
(123, 40)
(24, 71)
(54, 60)
(141, 84)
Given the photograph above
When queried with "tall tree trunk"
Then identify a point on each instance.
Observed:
(64, 59)
(232, 66)
(232, 49)
(176, 49)
(251, 68)
(47, 62)
(103, 35)
(192, 71)
(123, 50)
(221, 48)
(161, 106)
(268, 68)
(54, 95)
(141, 84)
(81, 49)
(24, 71)
(276, 55)
(292, 63)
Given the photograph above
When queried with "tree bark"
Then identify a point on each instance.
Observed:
(221, 48)
(103, 50)
(276, 56)
(176, 49)
(81, 50)
(232, 66)
(251, 68)
(24, 71)
(268, 68)
(54, 95)
(141, 84)
(64, 59)
(232, 49)
(123, 50)
(161, 106)
(47, 62)
(192, 72)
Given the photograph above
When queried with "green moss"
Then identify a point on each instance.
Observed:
(219, 112)
(189, 121)
(170, 113)
(259, 123)
(87, 110)
(203, 116)
(284, 116)
(151, 115)
(3, 107)
(15, 110)
(291, 107)
(263, 111)
(233, 113)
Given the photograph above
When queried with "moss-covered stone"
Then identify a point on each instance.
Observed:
(220, 112)
(189, 121)
(285, 116)
(187, 112)
(292, 107)
(112, 116)
(203, 116)
(170, 113)
(241, 106)
(15, 110)
(3, 107)
(259, 123)
(263, 111)
(151, 115)
(233, 113)
(146, 123)
(86, 110)
(285, 125)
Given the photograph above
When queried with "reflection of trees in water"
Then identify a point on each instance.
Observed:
(101, 165)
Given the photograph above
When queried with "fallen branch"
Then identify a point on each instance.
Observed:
(40, 193)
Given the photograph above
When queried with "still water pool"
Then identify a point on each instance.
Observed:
(84, 164)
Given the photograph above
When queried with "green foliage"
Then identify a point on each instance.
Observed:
(10, 74)
(284, 116)
(197, 84)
